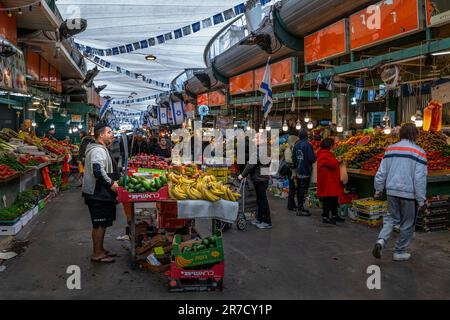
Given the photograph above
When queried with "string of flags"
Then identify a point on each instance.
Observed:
(128, 73)
(173, 35)
(136, 100)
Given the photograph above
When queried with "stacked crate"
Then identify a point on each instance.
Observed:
(435, 216)
(370, 212)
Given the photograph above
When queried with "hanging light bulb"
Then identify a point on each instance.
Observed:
(340, 127)
(248, 128)
(413, 118)
(285, 126)
(52, 126)
(189, 124)
(307, 118)
(310, 125)
(80, 126)
(70, 131)
(298, 126)
(261, 130)
(387, 130)
(20, 11)
(235, 125)
(419, 121)
(359, 118)
(9, 14)
(386, 116)
(268, 128)
(33, 124)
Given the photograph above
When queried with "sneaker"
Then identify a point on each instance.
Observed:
(264, 225)
(255, 222)
(303, 212)
(405, 256)
(376, 252)
(338, 219)
(328, 221)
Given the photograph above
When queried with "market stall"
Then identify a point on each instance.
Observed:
(163, 209)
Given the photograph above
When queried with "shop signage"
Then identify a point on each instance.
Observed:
(12, 73)
(438, 12)
(382, 22)
(330, 42)
(76, 118)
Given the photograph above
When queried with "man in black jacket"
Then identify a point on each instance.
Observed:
(261, 183)
(303, 157)
(99, 189)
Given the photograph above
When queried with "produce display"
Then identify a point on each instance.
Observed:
(6, 172)
(198, 252)
(24, 202)
(148, 161)
(5, 147)
(55, 147)
(12, 162)
(141, 184)
(365, 151)
(204, 187)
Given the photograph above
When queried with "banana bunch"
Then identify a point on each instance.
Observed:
(182, 262)
(203, 188)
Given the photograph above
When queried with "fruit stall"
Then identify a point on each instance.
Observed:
(162, 213)
(27, 165)
(363, 154)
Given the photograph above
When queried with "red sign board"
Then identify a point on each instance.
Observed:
(327, 43)
(383, 21)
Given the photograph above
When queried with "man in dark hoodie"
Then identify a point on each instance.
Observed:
(303, 157)
(99, 189)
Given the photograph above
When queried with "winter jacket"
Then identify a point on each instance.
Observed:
(254, 171)
(99, 174)
(328, 175)
(303, 157)
(403, 172)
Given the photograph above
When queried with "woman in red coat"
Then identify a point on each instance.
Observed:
(329, 186)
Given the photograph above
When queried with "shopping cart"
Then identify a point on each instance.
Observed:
(247, 204)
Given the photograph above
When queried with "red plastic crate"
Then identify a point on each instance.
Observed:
(347, 198)
(170, 223)
(167, 209)
(217, 272)
(124, 196)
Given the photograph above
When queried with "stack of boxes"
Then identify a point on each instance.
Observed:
(369, 212)
(435, 216)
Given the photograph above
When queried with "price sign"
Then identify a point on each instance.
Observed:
(382, 22)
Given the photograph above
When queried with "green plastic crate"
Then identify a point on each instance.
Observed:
(191, 259)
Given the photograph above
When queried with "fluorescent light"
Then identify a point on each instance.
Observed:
(443, 53)
(32, 109)
(150, 57)
(36, 103)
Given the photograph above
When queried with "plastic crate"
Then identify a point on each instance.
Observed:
(170, 223)
(11, 230)
(167, 209)
(124, 196)
(347, 198)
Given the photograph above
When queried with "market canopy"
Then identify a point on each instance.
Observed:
(121, 34)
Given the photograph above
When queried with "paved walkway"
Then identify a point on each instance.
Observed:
(298, 259)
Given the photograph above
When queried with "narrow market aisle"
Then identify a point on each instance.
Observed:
(298, 259)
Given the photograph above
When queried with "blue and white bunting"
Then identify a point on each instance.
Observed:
(183, 31)
(163, 115)
(104, 108)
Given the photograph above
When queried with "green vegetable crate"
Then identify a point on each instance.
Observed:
(197, 252)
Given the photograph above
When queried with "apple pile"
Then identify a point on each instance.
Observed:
(148, 161)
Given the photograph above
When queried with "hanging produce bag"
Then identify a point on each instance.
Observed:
(343, 173)
(432, 117)
(46, 177)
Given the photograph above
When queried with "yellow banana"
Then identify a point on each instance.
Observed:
(197, 193)
(216, 192)
(231, 195)
(210, 196)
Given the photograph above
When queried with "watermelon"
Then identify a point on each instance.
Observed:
(364, 140)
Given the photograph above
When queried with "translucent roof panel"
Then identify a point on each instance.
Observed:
(115, 23)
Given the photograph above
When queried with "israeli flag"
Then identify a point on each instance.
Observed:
(319, 79)
(266, 88)
(177, 112)
(104, 109)
(371, 95)
(163, 115)
(330, 84)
